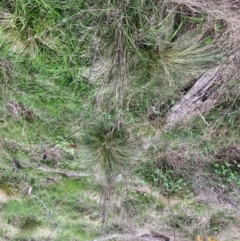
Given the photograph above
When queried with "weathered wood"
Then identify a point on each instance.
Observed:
(152, 236)
(66, 173)
(197, 100)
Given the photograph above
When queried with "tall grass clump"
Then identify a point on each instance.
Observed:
(109, 156)
(31, 26)
(148, 47)
(108, 151)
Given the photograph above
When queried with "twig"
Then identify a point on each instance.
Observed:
(67, 173)
(229, 201)
(203, 118)
(172, 216)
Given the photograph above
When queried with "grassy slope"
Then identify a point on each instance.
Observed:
(193, 165)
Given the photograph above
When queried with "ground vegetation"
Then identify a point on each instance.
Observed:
(119, 120)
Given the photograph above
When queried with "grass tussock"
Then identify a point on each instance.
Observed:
(107, 151)
(152, 41)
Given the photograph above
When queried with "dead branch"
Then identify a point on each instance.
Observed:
(152, 236)
(197, 100)
(66, 173)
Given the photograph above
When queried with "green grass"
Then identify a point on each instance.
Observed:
(51, 207)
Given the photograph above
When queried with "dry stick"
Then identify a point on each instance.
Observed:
(66, 173)
(104, 208)
(126, 236)
(77, 130)
(172, 216)
(48, 210)
(224, 198)
(203, 118)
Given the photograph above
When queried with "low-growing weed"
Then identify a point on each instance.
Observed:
(169, 181)
(228, 172)
(165, 179)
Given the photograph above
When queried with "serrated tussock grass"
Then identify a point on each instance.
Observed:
(108, 152)
(110, 158)
(155, 40)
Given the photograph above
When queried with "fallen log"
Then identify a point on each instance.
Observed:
(200, 98)
(207, 92)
